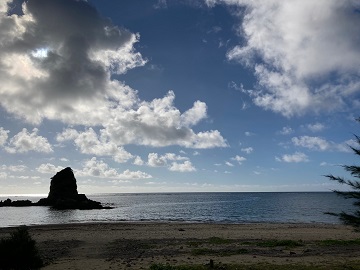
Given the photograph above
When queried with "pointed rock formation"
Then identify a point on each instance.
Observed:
(64, 195)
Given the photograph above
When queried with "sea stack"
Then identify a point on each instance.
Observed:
(64, 195)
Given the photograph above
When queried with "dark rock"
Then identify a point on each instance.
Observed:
(64, 195)
(19, 203)
(63, 185)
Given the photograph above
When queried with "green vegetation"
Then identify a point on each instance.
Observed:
(352, 219)
(332, 242)
(219, 241)
(19, 251)
(280, 243)
(211, 240)
(218, 252)
(260, 266)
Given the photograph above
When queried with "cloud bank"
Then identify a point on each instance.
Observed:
(58, 61)
(305, 54)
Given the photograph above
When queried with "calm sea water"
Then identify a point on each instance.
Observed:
(291, 207)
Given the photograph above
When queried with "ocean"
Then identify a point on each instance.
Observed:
(272, 207)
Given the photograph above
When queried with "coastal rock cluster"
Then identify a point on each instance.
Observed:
(63, 194)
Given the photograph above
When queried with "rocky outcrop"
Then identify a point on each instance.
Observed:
(18, 203)
(64, 195)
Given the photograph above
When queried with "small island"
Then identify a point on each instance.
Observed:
(63, 195)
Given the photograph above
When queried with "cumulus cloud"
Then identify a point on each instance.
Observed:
(138, 161)
(25, 141)
(313, 143)
(309, 53)
(171, 161)
(67, 54)
(186, 166)
(88, 142)
(286, 131)
(294, 158)
(3, 175)
(229, 164)
(317, 127)
(156, 160)
(239, 159)
(320, 144)
(49, 168)
(14, 168)
(100, 169)
(247, 150)
(3, 136)
(159, 123)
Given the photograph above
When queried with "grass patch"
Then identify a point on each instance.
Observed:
(211, 240)
(331, 242)
(194, 244)
(218, 252)
(203, 251)
(218, 241)
(280, 243)
(260, 266)
(19, 251)
(181, 267)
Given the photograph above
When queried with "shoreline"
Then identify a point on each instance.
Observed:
(138, 245)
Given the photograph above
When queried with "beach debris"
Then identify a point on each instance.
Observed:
(211, 263)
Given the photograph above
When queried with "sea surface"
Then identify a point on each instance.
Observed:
(292, 207)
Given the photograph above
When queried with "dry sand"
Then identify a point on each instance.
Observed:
(139, 245)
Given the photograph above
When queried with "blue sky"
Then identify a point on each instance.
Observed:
(168, 96)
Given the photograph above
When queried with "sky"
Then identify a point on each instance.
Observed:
(178, 95)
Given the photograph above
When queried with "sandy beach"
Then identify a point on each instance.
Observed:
(140, 245)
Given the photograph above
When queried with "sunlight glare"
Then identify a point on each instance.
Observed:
(40, 53)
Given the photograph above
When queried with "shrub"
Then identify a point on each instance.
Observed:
(19, 251)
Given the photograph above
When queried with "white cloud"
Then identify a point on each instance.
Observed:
(317, 127)
(186, 166)
(160, 4)
(229, 164)
(308, 51)
(159, 123)
(286, 131)
(90, 143)
(49, 168)
(138, 161)
(3, 175)
(195, 114)
(154, 160)
(68, 62)
(247, 150)
(313, 143)
(170, 160)
(249, 134)
(24, 142)
(133, 175)
(14, 168)
(3, 136)
(239, 159)
(320, 144)
(345, 146)
(294, 158)
(100, 169)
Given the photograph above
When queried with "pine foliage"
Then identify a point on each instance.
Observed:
(352, 219)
